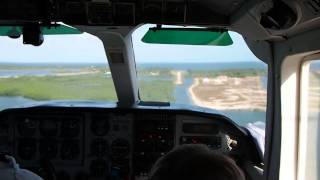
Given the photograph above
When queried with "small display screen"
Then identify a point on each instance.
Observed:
(200, 128)
(213, 142)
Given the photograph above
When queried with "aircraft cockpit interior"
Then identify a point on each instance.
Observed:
(103, 89)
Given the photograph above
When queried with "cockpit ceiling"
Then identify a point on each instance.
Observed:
(282, 18)
(124, 12)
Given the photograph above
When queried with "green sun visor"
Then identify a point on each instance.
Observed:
(186, 36)
(58, 30)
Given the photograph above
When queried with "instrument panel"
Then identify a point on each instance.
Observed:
(102, 143)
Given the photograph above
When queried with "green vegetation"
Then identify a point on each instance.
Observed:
(167, 73)
(161, 90)
(80, 87)
(229, 72)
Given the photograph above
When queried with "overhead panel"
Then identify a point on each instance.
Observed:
(111, 12)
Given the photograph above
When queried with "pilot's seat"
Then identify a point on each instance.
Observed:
(10, 170)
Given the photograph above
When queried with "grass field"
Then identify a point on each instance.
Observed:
(79, 87)
(161, 90)
(93, 87)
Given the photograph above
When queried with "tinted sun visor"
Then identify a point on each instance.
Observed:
(58, 30)
(187, 36)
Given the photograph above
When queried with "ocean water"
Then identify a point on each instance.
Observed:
(14, 101)
(11, 73)
(243, 117)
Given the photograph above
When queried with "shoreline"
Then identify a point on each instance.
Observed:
(219, 105)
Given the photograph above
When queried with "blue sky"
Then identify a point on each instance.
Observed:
(86, 48)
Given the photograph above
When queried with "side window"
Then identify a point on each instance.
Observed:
(309, 128)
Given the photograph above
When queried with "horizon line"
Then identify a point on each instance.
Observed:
(202, 62)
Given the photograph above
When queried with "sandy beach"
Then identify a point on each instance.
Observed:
(229, 93)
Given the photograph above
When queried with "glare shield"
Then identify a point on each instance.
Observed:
(13, 31)
(187, 37)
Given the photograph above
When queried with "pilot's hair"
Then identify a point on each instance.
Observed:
(195, 162)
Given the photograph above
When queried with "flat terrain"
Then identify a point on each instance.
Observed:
(229, 93)
(161, 90)
(233, 89)
(80, 87)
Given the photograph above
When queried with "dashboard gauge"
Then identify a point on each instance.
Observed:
(5, 145)
(48, 148)
(27, 148)
(152, 10)
(122, 165)
(48, 127)
(70, 150)
(27, 127)
(99, 147)
(120, 147)
(70, 128)
(100, 125)
(99, 168)
(4, 129)
(203, 128)
(213, 142)
(82, 176)
(63, 175)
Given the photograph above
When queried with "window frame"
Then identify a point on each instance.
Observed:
(303, 115)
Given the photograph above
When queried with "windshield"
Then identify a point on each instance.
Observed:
(225, 78)
(64, 67)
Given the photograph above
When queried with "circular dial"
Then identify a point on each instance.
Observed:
(4, 129)
(69, 150)
(82, 176)
(5, 144)
(48, 127)
(63, 175)
(100, 125)
(27, 148)
(122, 165)
(120, 147)
(48, 148)
(99, 168)
(99, 147)
(70, 128)
(27, 127)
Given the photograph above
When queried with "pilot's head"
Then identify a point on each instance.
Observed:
(195, 162)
